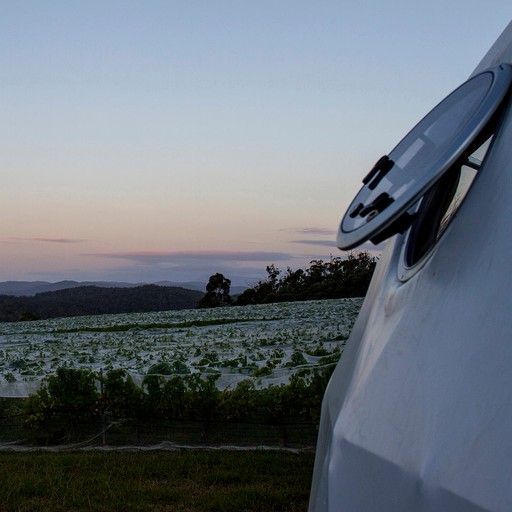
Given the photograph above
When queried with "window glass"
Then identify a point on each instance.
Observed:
(434, 147)
(438, 207)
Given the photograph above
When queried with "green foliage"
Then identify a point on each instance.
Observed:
(121, 396)
(210, 358)
(9, 377)
(152, 386)
(336, 278)
(174, 400)
(151, 326)
(180, 367)
(264, 370)
(70, 394)
(203, 397)
(318, 351)
(296, 359)
(70, 398)
(240, 404)
(73, 391)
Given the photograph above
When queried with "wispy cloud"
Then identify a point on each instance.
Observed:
(312, 231)
(326, 243)
(49, 240)
(319, 236)
(243, 266)
(191, 257)
(316, 231)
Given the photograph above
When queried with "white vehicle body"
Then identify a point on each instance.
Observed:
(418, 413)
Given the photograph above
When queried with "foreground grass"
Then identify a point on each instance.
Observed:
(155, 480)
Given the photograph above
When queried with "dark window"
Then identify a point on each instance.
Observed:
(440, 204)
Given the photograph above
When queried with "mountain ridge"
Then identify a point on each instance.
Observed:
(32, 288)
(94, 300)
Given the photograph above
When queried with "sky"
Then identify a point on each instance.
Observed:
(153, 140)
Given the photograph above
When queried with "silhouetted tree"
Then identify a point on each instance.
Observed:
(217, 292)
(336, 278)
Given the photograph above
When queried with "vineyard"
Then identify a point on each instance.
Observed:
(266, 344)
(252, 375)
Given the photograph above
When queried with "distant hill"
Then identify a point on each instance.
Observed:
(31, 288)
(201, 286)
(96, 300)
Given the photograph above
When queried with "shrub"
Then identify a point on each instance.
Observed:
(121, 396)
(70, 395)
(296, 359)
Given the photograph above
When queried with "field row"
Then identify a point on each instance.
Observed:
(265, 343)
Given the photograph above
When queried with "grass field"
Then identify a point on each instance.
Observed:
(189, 480)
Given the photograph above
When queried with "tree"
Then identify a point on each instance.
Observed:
(273, 275)
(217, 292)
(70, 395)
(336, 278)
(122, 397)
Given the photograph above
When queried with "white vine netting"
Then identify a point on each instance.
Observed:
(263, 343)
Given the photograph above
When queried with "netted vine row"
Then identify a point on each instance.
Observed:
(69, 402)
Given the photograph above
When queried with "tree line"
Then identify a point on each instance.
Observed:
(94, 300)
(336, 278)
(333, 279)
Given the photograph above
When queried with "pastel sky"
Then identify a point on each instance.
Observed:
(163, 140)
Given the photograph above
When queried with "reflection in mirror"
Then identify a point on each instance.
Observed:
(439, 205)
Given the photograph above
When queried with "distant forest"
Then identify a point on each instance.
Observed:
(93, 300)
(333, 279)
